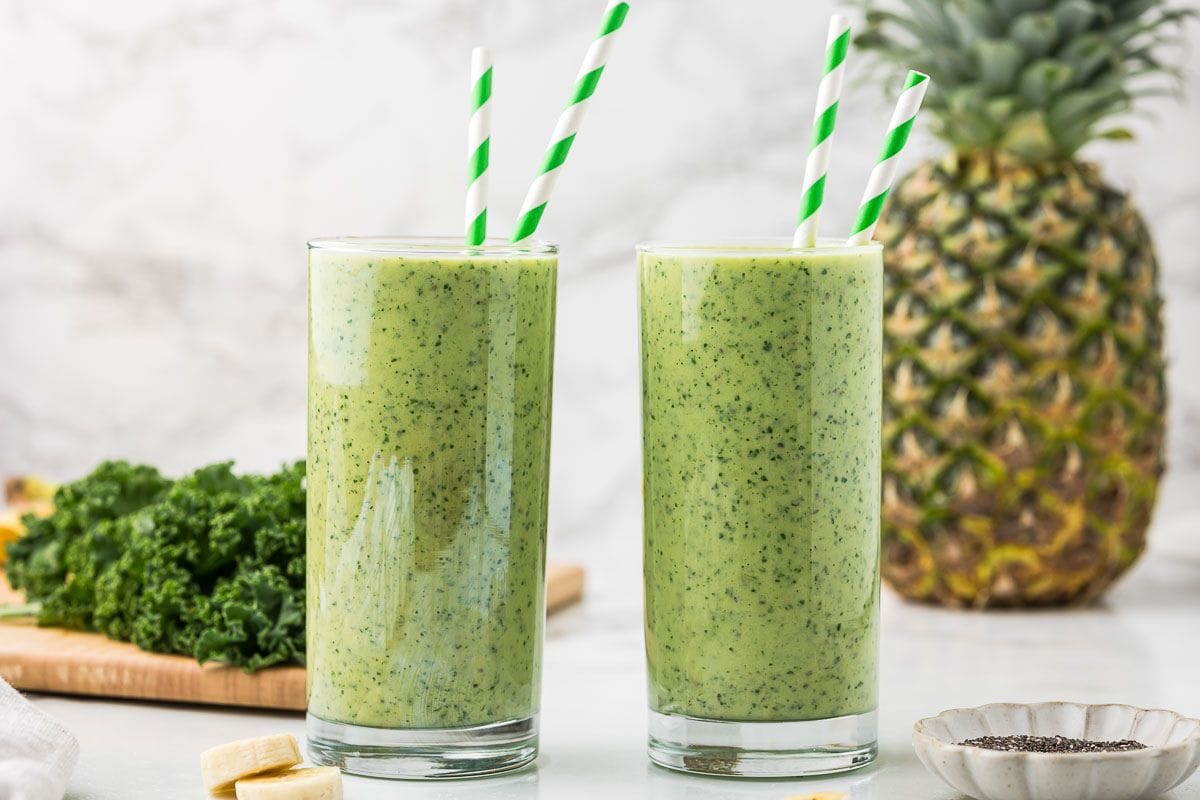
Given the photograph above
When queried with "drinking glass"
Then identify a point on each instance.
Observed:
(761, 406)
(429, 380)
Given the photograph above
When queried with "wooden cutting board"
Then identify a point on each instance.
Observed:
(70, 662)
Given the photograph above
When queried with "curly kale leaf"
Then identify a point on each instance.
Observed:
(210, 565)
(255, 619)
(52, 554)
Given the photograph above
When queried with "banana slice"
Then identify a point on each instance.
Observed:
(305, 783)
(220, 766)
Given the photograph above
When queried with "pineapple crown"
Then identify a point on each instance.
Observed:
(1033, 78)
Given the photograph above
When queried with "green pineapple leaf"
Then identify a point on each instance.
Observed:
(999, 62)
(1042, 81)
(1036, 34)
(1029, 137)
(1074, 17)
(1064, 66)
(1010, 9)
(974, 20)
(1091, 54)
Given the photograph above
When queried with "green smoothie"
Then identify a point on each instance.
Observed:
(761, 371)
(429, 437)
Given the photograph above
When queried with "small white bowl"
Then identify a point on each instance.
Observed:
(1171, 755)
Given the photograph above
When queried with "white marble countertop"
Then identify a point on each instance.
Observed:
(1140, 647)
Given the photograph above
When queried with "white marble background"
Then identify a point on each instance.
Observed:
(162, 164)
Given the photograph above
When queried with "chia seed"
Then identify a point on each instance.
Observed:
(1051, 744)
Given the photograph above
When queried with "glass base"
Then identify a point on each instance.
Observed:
(763, 749)
(423, 753)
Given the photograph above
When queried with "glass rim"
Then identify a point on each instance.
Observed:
(755, 245)
(431, 245)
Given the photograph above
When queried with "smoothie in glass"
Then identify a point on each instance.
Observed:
(429, 430)
(761, 372)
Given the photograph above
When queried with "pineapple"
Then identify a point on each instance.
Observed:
(1024, 393)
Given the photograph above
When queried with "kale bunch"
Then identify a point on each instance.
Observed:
(210, 565)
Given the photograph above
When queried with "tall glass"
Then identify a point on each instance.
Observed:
(429, 380)
(761, 372)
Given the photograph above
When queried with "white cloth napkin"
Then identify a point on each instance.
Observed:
(37, 753)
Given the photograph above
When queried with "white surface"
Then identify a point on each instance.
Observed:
(1171, 755)
(1141, 647)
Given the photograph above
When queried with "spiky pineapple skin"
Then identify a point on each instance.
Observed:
(1024, 391)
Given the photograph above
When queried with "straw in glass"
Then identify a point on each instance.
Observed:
(479, 145)
(568, 123)
(880, 182)
(829, 93)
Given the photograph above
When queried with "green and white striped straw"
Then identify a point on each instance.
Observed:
(479, 146)
(828, 94)
(568, 122)
(880, 182)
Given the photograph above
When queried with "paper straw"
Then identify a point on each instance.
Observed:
(880, 182)
(479, 145)
(568, 122)
(828, 94)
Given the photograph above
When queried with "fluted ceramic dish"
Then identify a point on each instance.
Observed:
(1171, 755)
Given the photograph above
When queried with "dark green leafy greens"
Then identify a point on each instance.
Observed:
(210, 565)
